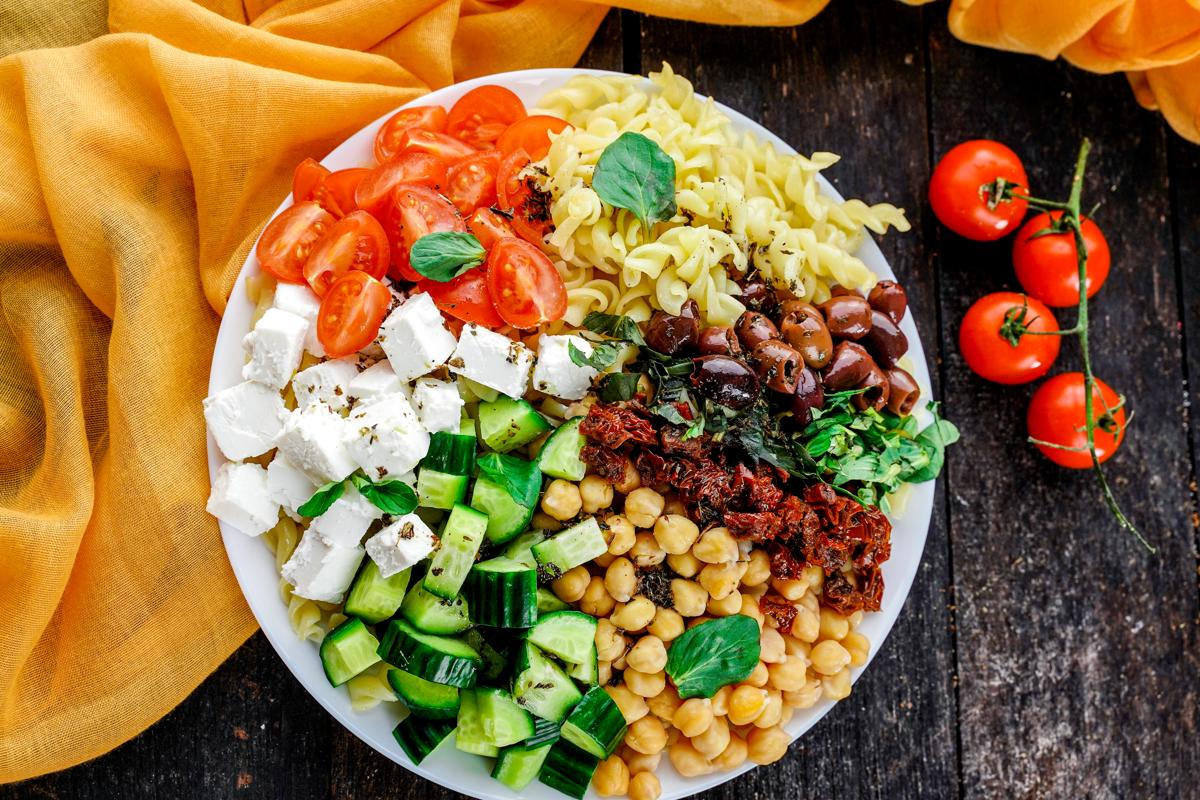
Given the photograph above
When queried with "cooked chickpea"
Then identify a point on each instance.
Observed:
(758, 570)
(720, 701)
(561, 500)
(647, 684)
(833, 625)
(837, 686)
(685, 565)
(687, 760)
(648, 654)
(621, 579)
(645, 786)
(667, 624)
(603, 560)
(814, 574)
(690, 597)
(772, 711)
(716, 546)
(719, 579)
(785, 716)
(596, 600)
(726, 606)
(643, 506)
(629, 480)
(544, 522)
(789, 589)
(640, 762)
(569, 587)
(619, 662)
(610, 642)
(750, 609)
(714, 739)
(796, 648)
(646, 552)
(611, 778)
(603, 672)
(746, 703)
(647, 735)
(858, 646)
(675, 533)
(787, 676)
(804, 697)
(758, 676)
(771, 647)
(856, 619)
(693, 716)
(767, 745)
(664, 704)
(621, 534)
(635, 615)
(596, 493)
(806, 626)
(733, 756)
(829, 657)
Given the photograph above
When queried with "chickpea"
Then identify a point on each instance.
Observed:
(758, 570)
(648, 654)
(646, 552)
(693, 716)
(544, 522)
(714, 739)
(611, 778)
(690, 597)
(758, 676)
(746, 703)
(647, 735)
(767, 745)
(726, 606)
(645, 786)
(796, 648)
(804, 697)
(716, 546)
(621, 535)
(829, 657)
(621, 579)
(858, 646)
(610, 642)
(603, 560)
(640, 762)
(643, 505)
(785, 716)
(719, 579)
(635, 615)
(667, 624)
(720, 701)
(833, 625)
(685, 565)
(750, 609)
(664, 704)
(603, 672)
(561, 500)
(647, 684)
(733, 756)
(837, 686)
(569, 587)
(596, 493)
(788, 676)
(687, 760)
(789, 589)
(806, 626)
(619, 662)
(771, 647)
(675, 533)
(596, 600)
(814, 574)
(856, 619)
(772, 712)
(629, 480)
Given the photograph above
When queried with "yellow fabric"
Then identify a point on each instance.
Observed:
(138, 168)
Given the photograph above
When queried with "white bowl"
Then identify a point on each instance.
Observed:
(254, 565)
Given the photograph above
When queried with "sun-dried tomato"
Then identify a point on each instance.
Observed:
(608, 464)
(782, 611)
(784, 564)
(611, 426)
(843, 597)
(756, 526)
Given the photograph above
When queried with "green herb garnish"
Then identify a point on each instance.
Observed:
(321, 500)
(713, 654)
(520, 478)
(634, 173)
(445, 255)
(391, 497)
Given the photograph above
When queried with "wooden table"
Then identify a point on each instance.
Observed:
(1042, 652)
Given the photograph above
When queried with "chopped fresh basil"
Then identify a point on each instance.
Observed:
(321, 500)
(390, 497)
(445, 255)
(619, 386)
(520, 478)
(603, 355)
(713, 654)
(616, 326)
(634, 173)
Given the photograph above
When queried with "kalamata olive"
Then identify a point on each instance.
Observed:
(837, 290)
(848, 366)
(847, 316)
(778, 364)
(809, 395)
(719, 340)
(753, 327)
(876, 387)
(788, 306)
(903, 392)
(725, 380)
(804, 329)
(885, 341)
(755, 294)
(672, 334)
(890, 298)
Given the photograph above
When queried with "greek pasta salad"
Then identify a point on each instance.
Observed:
(575, 431)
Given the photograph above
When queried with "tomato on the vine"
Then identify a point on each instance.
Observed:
(532, 135)
(387, 141)
(957, 196)
(465, 297)
(355, 242)
(530, 217)
(525, 284)
(991, 327)
(376, 187)
(288, 240)
(351, 313)
(1046, 263)
(489, 227)
(414, 211)
(482, 114)
(1057, 415)
(471, 182)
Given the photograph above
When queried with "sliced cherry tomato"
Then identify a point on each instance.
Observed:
(387, 141)
(288, 239)
(481, 115)
(525, 284)
(377, 185)
(414, 211)
(958, 200)
(466, 298)
(438, 145)
(1046, 266)
(532, 135)
(351, 313)
(471, 183)
(355, 242)
(307, 180)
(990, 326)
(1057, 414)
(488, 226)
(340, 187)
(530, 216)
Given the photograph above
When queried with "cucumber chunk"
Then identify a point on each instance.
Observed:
(559, 457)
(541, 686)
(544, 732)
(587, 672)
(518, 765)
(568, 769)
(567, 549)
(548, 602)
(424, 698)
(505, 424)
(347, 650)
(570, 635)
(495, 659)
(506, 517)
(502, 593)
(521, 548)
(419, 737)
(504, 722)
(470, 737)
(451, 453)
(460, 539)
(372, 597)
(440, 489)
(596, 725)
(432, 614)
(440, 659)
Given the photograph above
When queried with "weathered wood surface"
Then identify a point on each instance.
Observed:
(1041, 653)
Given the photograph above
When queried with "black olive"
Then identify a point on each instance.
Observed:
(672, 334)
(755, 294)
(753, 327)
(885, 340)
(890, 298)
(809, 394)
(725, 380)
(718, 340)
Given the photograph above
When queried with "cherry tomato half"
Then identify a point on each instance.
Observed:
(466, 298)
(1046, 266)
(530, 217)
(471, 183)
(351, 313)
(958, 201)
(1057, 415)
(532, 135)
(376, 187)
(991, 355)
(288, 239)
(341, 186)
(307, 180)
(387, 141)
(414, 211)
(481, 115)
(355, 242)
(439, 145)
(488, 226)
(525, 284)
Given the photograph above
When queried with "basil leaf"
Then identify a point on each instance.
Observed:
(391, 497)
(616, 326)
(634, 173)
(939, 435)
(520, 478)
(619, 386)
(713, 654)
(445, 255)
(603, 355)
(321, 500)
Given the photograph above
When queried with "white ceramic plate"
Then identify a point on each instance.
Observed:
(255, 566)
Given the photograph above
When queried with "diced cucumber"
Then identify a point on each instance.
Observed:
(506, 517)
(373, 598)
(495, 661)
(419, 737)
(596, 725)
(432, 614)
(570, 635)
(518, 765)
(545, 731)
(451, 453)
(568, 769)
(470, 737)
(347, 650)
(505, 424)
(441, 489)
(424, 698)
(567, 549)
(504, 722)
(466, 427)
(521, 548)
(502, 593)
(440, 659)
(559, 456)
(459, 542)
(587, 672)
(541, 686)
(548, 602)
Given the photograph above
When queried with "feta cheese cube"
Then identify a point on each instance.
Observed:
(320, 570)
(303, 302)
(245, 419)
(327, 382)
(556, 374)
(288, 485)
(347, 520)
(415, 338)
(439, 405)
(401, 545)
(385, 437)
(314, 439)
(239, 497)
(276, 346)
(375, 381)
(493, 360)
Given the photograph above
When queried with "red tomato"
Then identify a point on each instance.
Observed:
(377, 185)
(466, 298)
(289, 238)
(1057, 415)
(991, 355)
(481, 115)
(471, 183)
(356, 242)
(351, 313)
(532, 135)
(413, 212)
(958, 201)
(340, 187)
(307, 180)
(488, 226)
(438, 145)
(524, 284)
(530, 216)
(387, 141)
(1046, 265)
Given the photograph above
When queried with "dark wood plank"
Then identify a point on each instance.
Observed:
(1077, 649)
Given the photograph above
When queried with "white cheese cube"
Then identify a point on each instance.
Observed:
(320, 570)
(385, 437)
(303, 302)
(314, 439)
(400, 545)
(493, 360)
(377, 380)
(415, 338)
(239, 498)
(288, 485)
(438, 404)
(276, 346)
(245, 420)
(347, 520)
(556, 374)
(327, 382)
